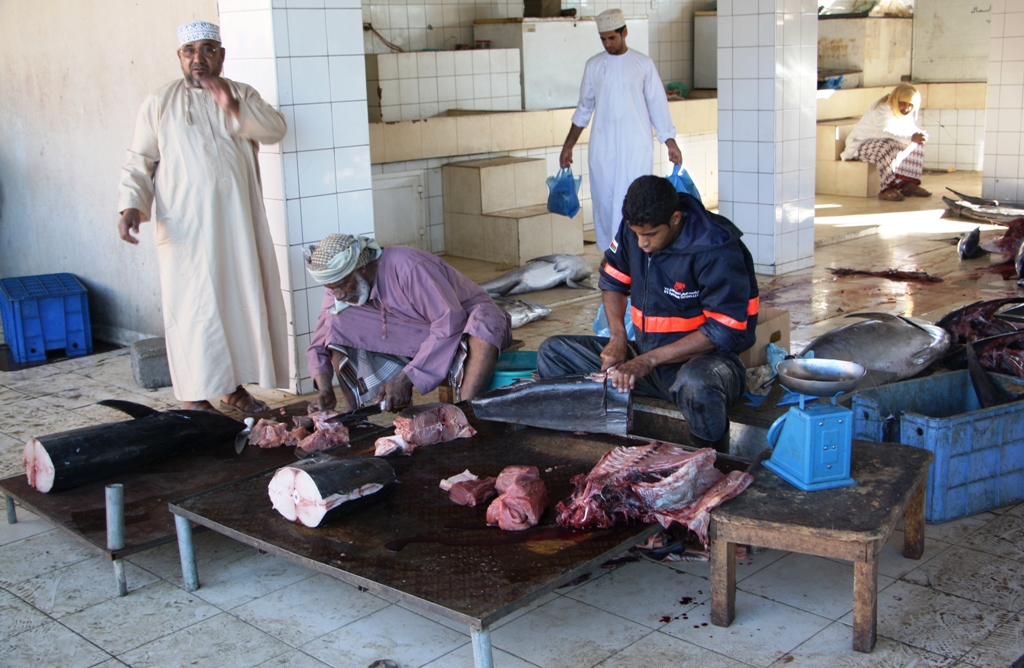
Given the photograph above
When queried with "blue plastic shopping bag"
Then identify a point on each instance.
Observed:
(683, 183)
(562, 189)
(601, 327)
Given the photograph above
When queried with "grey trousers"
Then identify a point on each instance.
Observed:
(702, 387)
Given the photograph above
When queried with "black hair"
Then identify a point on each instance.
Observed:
(649, 202)
(619, 30)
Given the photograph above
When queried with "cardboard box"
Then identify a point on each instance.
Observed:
(770, 321)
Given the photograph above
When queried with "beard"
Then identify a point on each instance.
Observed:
(362, 292)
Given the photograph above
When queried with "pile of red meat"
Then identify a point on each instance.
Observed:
(324, 434)
(425, 424)
(521, 501)
(651, 483)
(466, 489)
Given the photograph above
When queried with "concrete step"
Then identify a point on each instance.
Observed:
(848, 179)
(515, 236)
(487, 186)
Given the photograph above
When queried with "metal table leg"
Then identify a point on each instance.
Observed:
(115, 532)
(482, 657)
(187, 553)
(12, 514)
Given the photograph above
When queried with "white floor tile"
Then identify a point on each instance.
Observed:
(955, 530)
(833, 647)
(17, 616)
(643, 592)
(28, 524)
(991, 580)
(8, 395)
(218, 642)
(744, 567)
(392, 633)
(567, 634)
(144, 615)
(74, 588)
(1003, 648)
(293, 659)
(892, 563)
(49, 645)
(933, 621)
(209, 546)
(231, 582)
(308, 609)
(1004, 537)
(39, 554)
(23, 420)
(463, 658)
(762, 632)
(813, 584)
(659, 649)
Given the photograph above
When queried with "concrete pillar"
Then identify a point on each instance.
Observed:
(1003, 177)
(306, 56)
(767, 82)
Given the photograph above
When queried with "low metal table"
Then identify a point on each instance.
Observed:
(418, 547)
(851, 523)
(142, 495)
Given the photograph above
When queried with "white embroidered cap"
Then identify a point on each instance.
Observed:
(610, 19)
(197, 30)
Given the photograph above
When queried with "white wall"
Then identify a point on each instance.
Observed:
(73, 78)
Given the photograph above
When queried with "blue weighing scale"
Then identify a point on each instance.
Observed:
(811, 443)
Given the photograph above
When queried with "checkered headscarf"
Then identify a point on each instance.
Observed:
(338, 255)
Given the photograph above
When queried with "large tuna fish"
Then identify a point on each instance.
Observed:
(541, 273)
(319, 488)
(69, 459)
(521, 311)
(900, 347)
(568, 403)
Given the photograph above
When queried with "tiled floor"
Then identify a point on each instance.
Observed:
(962, 604)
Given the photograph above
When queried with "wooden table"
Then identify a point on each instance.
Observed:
(851, 523)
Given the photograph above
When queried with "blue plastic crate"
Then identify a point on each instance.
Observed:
(979, 452)
(46, 312)
(512, 366)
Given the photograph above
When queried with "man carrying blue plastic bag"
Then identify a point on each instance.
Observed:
(622, 87)
(695, 309)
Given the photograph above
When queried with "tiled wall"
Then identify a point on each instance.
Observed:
(415, 25)
(408, 86)
(956, 138)
(767, 108)
(1005, 130)
(306, 56)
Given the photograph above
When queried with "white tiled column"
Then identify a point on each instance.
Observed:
(1003, 177)
(767, 78)
(306, 57)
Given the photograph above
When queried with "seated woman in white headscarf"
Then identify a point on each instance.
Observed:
(888, 136)
(397, 318)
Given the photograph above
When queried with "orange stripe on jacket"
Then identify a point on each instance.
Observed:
(754, 306)
(616, 274)
(663, 324)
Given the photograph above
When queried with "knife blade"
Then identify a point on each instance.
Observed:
(242, 439)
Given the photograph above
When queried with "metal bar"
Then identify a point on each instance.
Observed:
(12, 514)
(482, 657)
(187, 553)
(115, 532)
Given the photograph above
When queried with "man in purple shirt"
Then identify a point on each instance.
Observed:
(397, 318)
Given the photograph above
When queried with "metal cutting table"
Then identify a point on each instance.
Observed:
(417, 546)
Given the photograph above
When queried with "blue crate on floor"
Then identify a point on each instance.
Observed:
(45, 312)
(979, 452)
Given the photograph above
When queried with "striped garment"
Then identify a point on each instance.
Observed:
(897, 164)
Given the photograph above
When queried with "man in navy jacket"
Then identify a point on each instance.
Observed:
(694, 308)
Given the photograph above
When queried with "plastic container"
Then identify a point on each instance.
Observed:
(45, 312)
(513, 366)
(979, 452)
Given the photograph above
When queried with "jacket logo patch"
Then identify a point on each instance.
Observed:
(674, 291)
(679, 286)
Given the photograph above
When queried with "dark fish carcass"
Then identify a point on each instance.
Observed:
(658, 482)
(68, 459)
(585, 402)
(899, 346)
(322, 487)
(978, 320)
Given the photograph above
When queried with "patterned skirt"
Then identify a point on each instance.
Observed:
(896, 163)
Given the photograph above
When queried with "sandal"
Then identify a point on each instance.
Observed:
(891, 195)
(914, 190)
(204, 406)
(244, 403)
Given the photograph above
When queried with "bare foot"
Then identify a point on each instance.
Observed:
(198, 406)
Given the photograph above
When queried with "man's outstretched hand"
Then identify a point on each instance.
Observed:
(129, 223)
